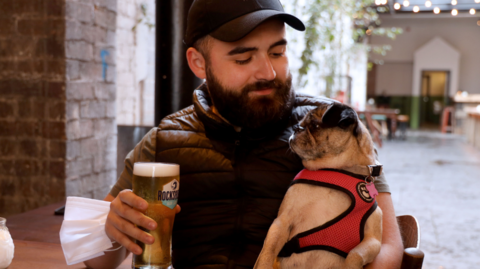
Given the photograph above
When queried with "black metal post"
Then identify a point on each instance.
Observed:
(174, 81)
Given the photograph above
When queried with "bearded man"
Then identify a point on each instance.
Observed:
(231, 144)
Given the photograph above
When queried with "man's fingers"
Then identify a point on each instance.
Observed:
(129, 198)
(134, 216)
(126, 227)
(122, 239)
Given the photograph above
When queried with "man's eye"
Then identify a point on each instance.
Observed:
(243, 61)
(277, 54)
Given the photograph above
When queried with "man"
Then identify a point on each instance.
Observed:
(232, 144)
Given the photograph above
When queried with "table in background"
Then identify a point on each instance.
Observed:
(389, 113)
(37, 241)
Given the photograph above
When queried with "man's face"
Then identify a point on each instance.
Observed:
(249, 80)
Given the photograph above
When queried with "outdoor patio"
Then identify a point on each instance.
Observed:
(435, 177)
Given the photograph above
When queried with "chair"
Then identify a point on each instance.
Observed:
(403, 121)
(410, 232)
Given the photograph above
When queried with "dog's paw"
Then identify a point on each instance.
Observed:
(353, 261)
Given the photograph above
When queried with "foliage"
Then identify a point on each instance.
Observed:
(327, 23)
(144, 18)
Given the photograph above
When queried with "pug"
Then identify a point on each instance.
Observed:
(329, 217)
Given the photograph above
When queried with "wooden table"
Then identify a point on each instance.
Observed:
(389, 113)
(37, 240)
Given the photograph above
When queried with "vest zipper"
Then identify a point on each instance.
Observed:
(238, 155)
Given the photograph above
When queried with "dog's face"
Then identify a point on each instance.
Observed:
(331, 131)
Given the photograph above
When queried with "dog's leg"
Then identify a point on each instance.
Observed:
(278, 233)
(277, 236)
(370, 246)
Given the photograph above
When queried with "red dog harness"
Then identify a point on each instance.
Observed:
(343, 233)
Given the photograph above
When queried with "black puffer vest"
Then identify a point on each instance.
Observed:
(231, 183)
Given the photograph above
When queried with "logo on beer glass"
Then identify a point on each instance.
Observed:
(169, 195)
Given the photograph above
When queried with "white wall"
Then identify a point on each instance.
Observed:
(135, 64)
(394, 78)
(462, 33)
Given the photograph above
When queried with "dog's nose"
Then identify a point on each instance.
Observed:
(298, 128)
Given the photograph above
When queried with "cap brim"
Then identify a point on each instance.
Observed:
(240, 27)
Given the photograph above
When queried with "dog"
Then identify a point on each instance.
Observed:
(332, 143)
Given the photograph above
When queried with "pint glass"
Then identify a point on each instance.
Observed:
(158, 184)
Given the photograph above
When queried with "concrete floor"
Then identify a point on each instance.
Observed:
(436, 178)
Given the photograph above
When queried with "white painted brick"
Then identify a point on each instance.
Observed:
(80, 90)
(73, 149)
(92, 110)
(89, 147)
(79, 167)
(73, 111)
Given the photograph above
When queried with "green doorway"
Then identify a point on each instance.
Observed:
(433, 98)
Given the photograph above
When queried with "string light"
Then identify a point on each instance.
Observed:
(436, 10)
(384, 2)
(454, 12)
(428, 3)
(454, 2)
(477, 1)
(406, 3)
(397, 6)
(378, 2)
(472, 11)
(416, 9)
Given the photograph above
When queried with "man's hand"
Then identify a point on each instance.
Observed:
(126, 211)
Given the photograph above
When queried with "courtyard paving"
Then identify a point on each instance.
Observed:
(436, 178)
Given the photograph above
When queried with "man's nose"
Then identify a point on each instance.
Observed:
(265, 70)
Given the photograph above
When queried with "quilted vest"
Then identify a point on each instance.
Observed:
(232, 183)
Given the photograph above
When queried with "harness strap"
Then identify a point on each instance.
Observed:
(309, 240)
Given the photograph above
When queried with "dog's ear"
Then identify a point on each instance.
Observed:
(339, 115)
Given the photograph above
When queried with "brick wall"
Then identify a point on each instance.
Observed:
(57, 109)
(91, 129)
(32, 104)
(135, 63)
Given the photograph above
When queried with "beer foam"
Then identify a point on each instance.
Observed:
(156, 169)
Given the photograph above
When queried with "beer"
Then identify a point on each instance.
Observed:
(158, 184)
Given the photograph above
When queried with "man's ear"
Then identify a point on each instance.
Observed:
(196, 62)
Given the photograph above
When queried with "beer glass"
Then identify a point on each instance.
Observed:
(158, 184)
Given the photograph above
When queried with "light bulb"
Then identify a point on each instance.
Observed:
(454, 2)
(397, 6)
(406, 3)
(477, 1)
(378, 2)
(436, 10)
(454, 12)
(428, 3)
(472, 11)
(416, 9)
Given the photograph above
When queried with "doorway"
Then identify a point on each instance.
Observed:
(434, 97)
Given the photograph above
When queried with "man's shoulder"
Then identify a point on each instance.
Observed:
(185, 119)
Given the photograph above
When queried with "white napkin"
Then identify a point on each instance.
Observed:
(83, 234)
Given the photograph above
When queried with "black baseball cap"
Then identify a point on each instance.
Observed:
(231, 20)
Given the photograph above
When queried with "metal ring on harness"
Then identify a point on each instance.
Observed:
(369, 179)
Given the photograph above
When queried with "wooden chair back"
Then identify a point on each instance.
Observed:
(410, 232)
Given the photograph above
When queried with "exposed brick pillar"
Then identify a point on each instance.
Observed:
(32, 104)
(57, 110)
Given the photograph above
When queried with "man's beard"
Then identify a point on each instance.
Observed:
(252, 112)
